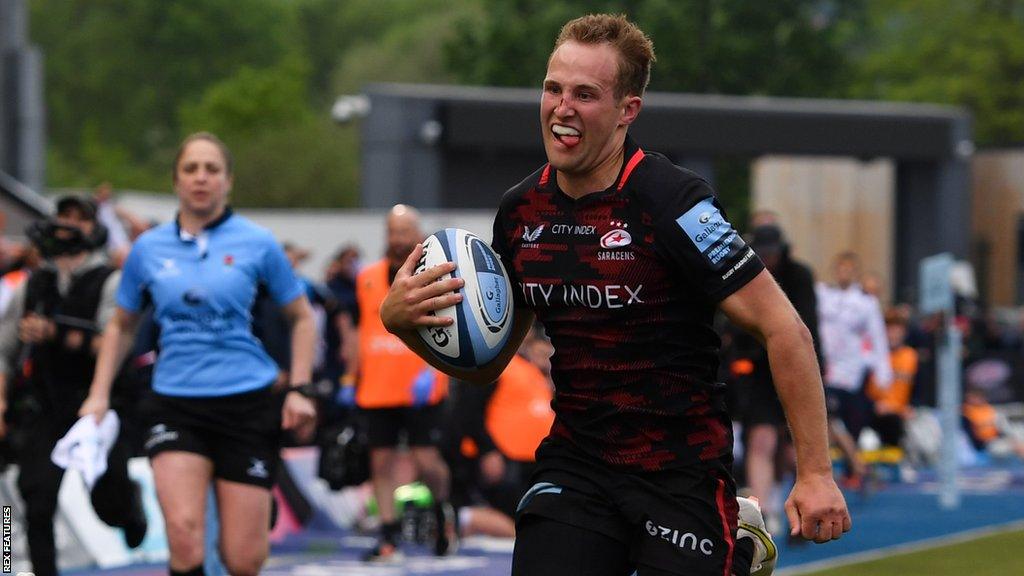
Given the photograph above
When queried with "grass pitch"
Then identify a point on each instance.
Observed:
(999, 554)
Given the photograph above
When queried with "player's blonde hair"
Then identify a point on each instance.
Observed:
(636, 51)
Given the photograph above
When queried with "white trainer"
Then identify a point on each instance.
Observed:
(751, 525)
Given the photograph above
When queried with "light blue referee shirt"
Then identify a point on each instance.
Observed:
(203, 288)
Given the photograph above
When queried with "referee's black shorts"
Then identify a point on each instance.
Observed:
(240, 433)
(680, 521)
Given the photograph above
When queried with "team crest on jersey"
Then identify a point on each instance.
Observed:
(616, 239)
(532, 235)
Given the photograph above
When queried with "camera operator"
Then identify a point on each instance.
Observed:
(48, 341)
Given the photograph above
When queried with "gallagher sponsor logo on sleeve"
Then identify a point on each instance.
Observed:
(710, 232)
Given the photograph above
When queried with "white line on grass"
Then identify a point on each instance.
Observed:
(899, 549)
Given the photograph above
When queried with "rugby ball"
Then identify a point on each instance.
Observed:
(483, 319)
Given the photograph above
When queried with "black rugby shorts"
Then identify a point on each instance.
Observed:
(414, 427)
(679, 521)
(240, 434)
(761, 403)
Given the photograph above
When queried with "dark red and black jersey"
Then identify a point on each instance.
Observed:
(626, 282)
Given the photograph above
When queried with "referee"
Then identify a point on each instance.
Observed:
(213, 417)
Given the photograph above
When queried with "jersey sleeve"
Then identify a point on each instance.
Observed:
(694, 233)
(133, 282)
(278, 276)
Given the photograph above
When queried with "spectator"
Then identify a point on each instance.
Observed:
(118, 242)
(854, 345)
(892, 404)
(19, 273)
(988, 430)
(56, 316)
(398, 394)
(340, 278)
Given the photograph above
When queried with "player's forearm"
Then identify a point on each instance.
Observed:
(303, 342)
(797, 379)
(117, 340)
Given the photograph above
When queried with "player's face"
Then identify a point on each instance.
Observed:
(403, 235)
(582, 121)
(846, 272)
(897, 333)
(76, 219)
(201, 179)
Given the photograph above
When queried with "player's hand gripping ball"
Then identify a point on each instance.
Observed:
(483, 319)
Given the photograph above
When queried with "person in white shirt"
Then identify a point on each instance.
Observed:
(854, 344)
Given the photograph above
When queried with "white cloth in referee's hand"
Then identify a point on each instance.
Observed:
(86, 445)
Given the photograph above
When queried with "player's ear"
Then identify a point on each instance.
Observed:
(630, 109)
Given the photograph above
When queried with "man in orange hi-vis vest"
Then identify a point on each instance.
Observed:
(399, 395)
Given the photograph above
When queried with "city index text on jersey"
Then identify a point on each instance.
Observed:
(582, 295)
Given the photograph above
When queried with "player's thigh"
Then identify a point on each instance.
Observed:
(182, 480)
(546, 547)
(244, 512)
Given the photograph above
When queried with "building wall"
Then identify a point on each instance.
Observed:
(997, 207)
(830, 205)
(322, 231)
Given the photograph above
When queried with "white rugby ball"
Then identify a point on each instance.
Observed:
(483, 319)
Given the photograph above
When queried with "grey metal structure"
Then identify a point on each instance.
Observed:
(20, 205)
(22, 111)
(461, 147)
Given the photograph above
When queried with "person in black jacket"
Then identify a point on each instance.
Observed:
(48, 339)
(764, 422)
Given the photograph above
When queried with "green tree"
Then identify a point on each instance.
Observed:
(412, 52)
(309, 164)
(251, 101)
(964, 52)
(784, 47)
(350, 43)
(127, 79)
(116, 72)
(779, 48)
